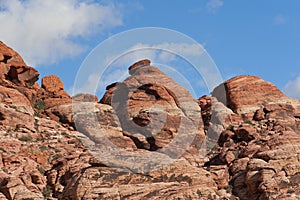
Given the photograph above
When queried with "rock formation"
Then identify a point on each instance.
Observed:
(153, 109)
(245, 94)
(14, 69)
(147, 138)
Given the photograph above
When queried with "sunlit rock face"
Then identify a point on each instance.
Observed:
(147, 138)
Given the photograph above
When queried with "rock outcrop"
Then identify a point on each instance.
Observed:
(154, 110)
(85, 98)
(54, 93)
(14, 69)
(246, 94)
(147, 138)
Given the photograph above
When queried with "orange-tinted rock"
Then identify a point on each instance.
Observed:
(11, 118)
(53, 93)
(110, 89)
(152, 105)
(14, 69)
(205, 105)
(245, 133)
(14, 99)
(245, 94)
(85, 98)
(52, 83)
(138, 64)
(52, 102)
(256, 157)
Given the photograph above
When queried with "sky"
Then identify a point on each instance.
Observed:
(257, 37)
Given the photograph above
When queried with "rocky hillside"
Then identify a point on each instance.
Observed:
(147, 138)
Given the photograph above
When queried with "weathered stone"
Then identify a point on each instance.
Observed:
(138, 64)
(52, 83)
(14, 99)
(259, 115)
(179, 180)
(151, 104)
(85, 98)
(245, 94)
(133, 147)
(245, 133)
(14, 69)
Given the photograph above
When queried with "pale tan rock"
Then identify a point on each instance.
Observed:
(16, 100)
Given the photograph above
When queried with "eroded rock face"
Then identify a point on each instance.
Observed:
(245, 94)
(14, 69)
(261, 154)
(85, 98)
(14, 99)
(54, 91)
(153, 109)
(110, 89)
(179, 180)
(138, 64)
(123, 139)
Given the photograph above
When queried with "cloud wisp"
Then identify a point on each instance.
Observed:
(280, 19)
(292, 88)
(162, 53)
(212, 6)
(44, 32)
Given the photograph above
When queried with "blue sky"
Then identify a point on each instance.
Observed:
(254, 37)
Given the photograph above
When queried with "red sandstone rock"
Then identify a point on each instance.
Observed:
(151, 105)
(14, 99)
(255, 158)
(85, 98)
(52, 83)
(52, 94)
(110, 89)
(14, 69)
(138, 64)
(244, 94)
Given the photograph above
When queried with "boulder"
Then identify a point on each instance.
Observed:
(52, 83)
(52, 92)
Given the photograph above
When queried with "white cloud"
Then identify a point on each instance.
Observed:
(44, 32)
(280, 19)
(213, 5)
(164, 52)
(182, 49)
(292, 88)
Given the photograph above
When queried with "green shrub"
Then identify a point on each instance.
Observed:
(47, 191)
(39, 107)
(247, 121)
(290, 191)
(57, 156)
(229, 128)
(64, 133)
(43, 148)
(25, 138)
(42, 170)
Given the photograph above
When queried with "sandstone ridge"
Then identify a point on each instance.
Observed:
(147, 138)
